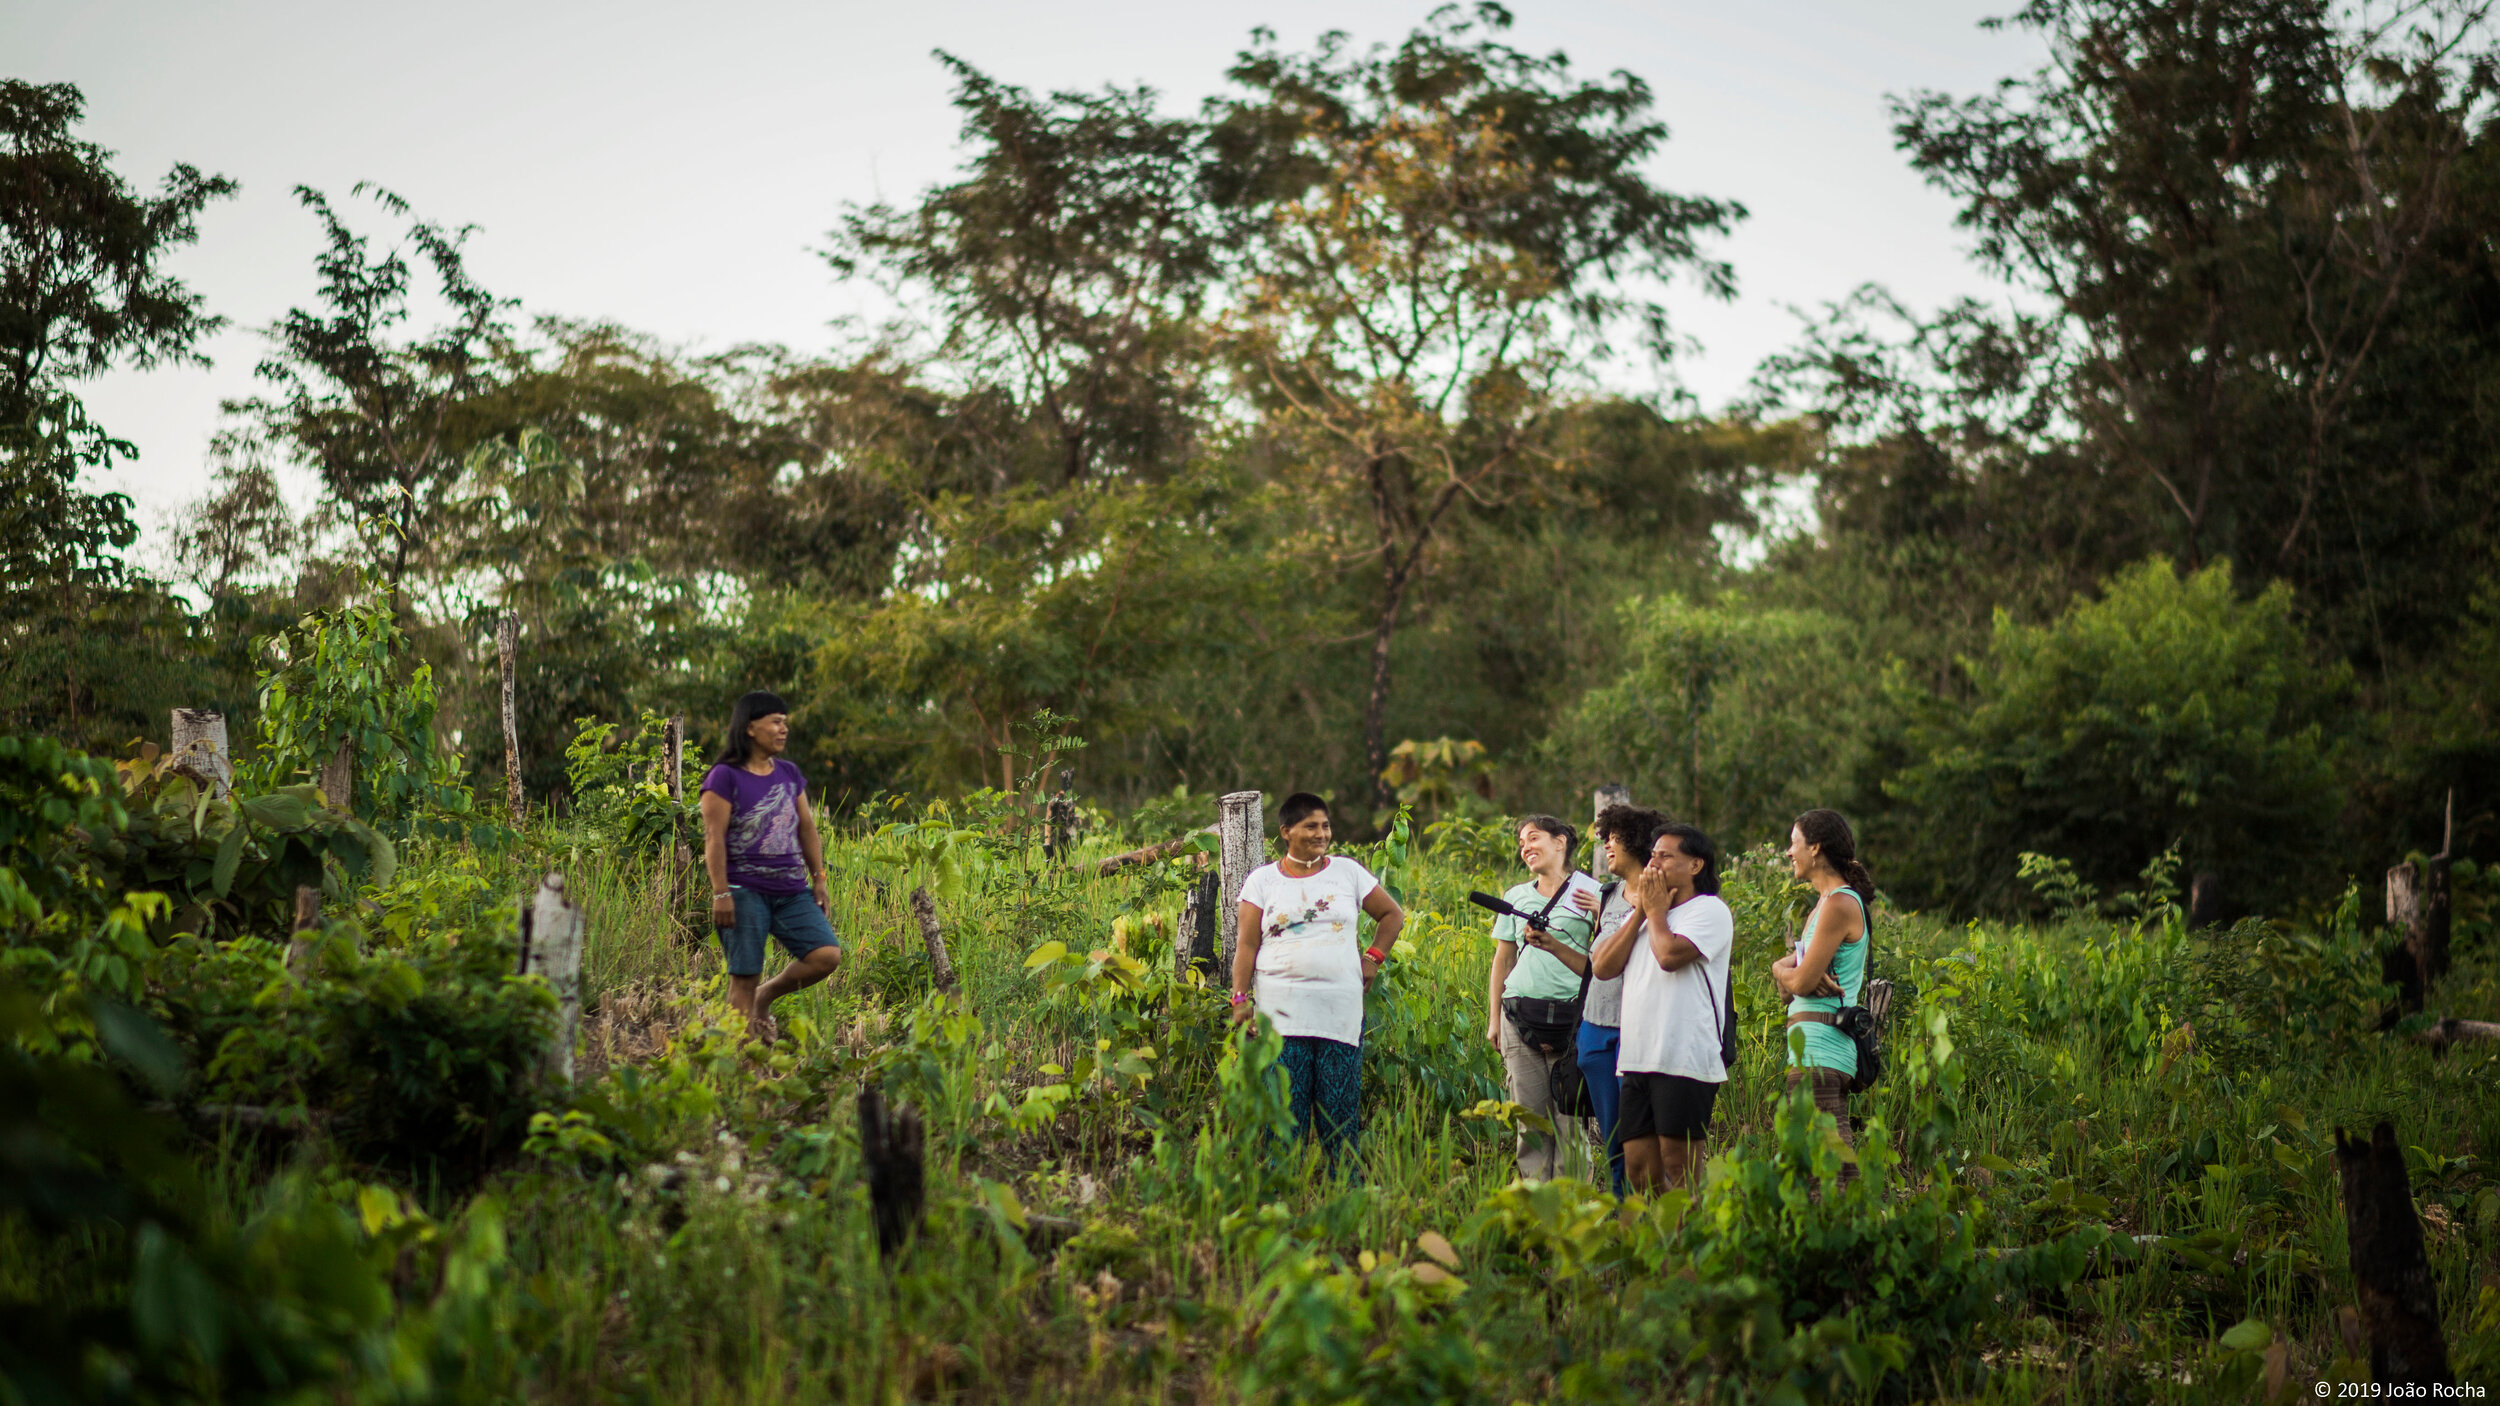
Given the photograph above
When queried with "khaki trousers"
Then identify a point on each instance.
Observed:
(1532, 1074)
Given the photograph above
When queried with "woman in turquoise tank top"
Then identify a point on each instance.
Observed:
(1827, 969)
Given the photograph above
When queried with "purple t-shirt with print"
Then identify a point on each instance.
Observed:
(763, 839)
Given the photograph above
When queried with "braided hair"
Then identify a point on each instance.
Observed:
(1826, 828)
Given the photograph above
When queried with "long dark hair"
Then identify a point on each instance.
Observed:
(1699, 846)
(1828, 829)
(737, 747)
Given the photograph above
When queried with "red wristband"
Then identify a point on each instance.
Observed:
(1376, 955)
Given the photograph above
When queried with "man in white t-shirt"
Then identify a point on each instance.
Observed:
(1300, 964)
(1673, 955)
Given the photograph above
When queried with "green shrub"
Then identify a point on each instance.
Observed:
(407, 1032)
(2170, 711)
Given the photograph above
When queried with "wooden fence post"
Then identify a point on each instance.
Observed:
(1613, 793)
(1244, 833)
(200, 750)
(338, 777)
(676, 860)
(1059, 827)
(1196, 944)
(508, 650)
(890, 1145)
(551, 947)
(307, 914)
(941, 966)
(2399, 1299)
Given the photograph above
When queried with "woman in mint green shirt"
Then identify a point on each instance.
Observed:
(1535, 975)
(1827, 969)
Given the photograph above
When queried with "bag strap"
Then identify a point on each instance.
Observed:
(1718, 1023)
(1605, 894)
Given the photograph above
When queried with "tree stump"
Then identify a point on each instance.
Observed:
(200, 750)
(2399, 1300)
(890, 1145)
(1244, 836)
(552, 932)
(941, 967)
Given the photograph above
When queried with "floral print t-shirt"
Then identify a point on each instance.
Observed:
(1310, 969)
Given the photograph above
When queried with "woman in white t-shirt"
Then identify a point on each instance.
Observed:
(1300, 964)
(1673, 956)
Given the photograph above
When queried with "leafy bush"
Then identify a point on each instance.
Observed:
(2170, 711)
(345, 675)
(1733, 716)
(622, 789)
(407, 1033)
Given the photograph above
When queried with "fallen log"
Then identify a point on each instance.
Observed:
(2457, 1032)
(1149, 854)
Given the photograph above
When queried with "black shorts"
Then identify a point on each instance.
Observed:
(1664, 1105)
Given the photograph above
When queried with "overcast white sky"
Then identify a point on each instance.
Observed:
(671, 167)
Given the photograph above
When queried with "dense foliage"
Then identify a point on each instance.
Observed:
(1264, 448)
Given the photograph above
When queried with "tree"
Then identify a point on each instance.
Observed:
(2168, 712)
(1067, 267)
(1434, 240)
(1728, 714)
(82, 288)
(2231, 204)
(385, 424)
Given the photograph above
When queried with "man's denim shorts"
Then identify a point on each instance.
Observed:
(793, 919)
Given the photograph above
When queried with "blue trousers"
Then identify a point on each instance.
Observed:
(1598, 1047)
(1327, 1079)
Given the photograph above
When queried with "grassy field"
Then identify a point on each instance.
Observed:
(2107, 1176)
(2099, 1169)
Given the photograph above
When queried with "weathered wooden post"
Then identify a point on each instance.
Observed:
(200, 750)
(1059, 828)
(2417, 902)
(890, 1146)
(1196, 943)
(675, 862)
(338, 777)
(2399, 1299)
(1613, 793)
(1243, 830)
(307, 914)
(508, 650)
(551, 947)
(941, 966)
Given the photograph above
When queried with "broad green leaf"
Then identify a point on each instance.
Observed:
(229, 857)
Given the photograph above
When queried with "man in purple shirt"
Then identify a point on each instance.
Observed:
(766, 862)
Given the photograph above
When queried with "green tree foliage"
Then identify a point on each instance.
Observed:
(1434, 238)
(1066, 268)
(2256, 222)
(81, 283)
(385, 422)
(2171, 711)
(1730, 715)
(87, 647)
(343, 679)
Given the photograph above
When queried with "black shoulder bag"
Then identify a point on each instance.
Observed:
(1549, 1027)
